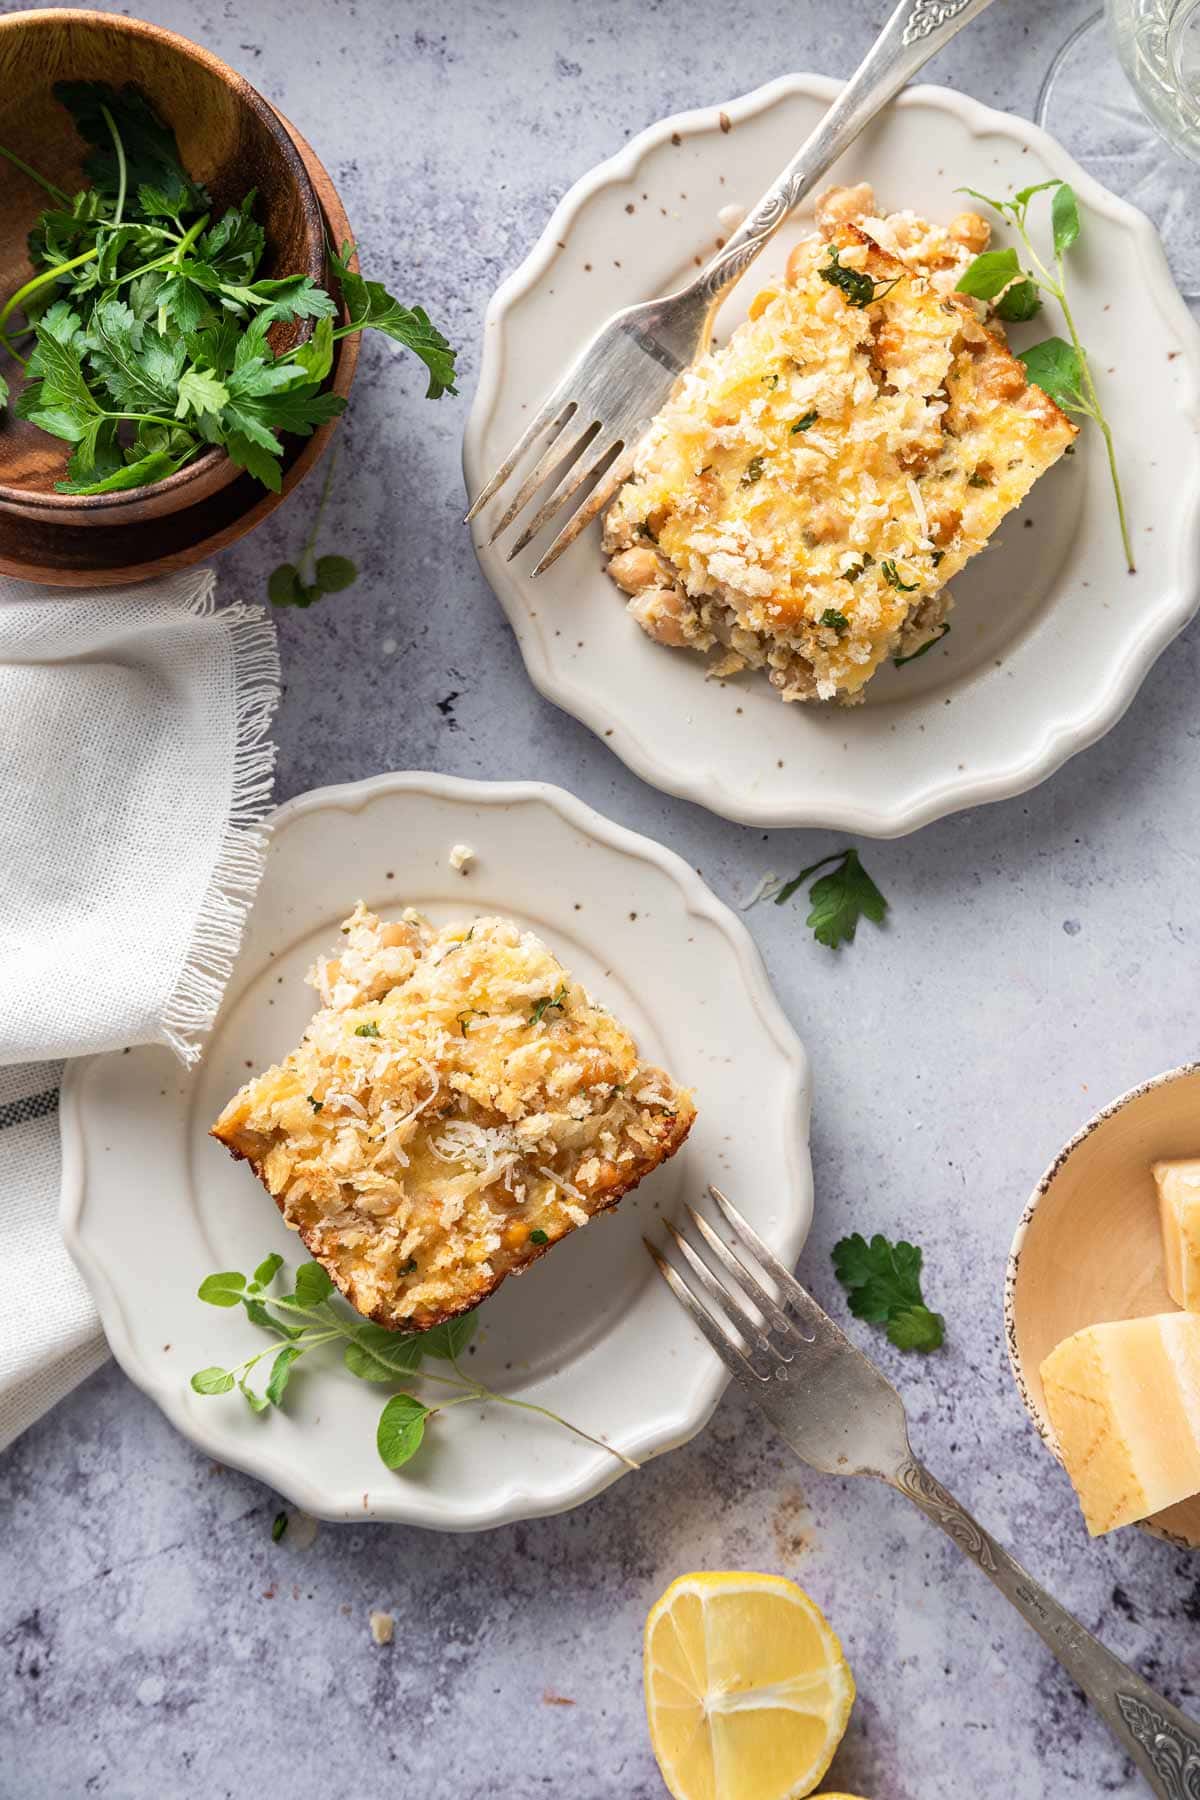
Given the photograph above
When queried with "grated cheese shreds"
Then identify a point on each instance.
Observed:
(457, 1105)
(803, 499)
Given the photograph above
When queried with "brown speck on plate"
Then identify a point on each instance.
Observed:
(629, 206)
(726, 122)
(549, 1699)
(676, 139)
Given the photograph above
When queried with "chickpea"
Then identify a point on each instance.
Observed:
(844, 205)
(969, 230)
(635, 570)
(660, 614)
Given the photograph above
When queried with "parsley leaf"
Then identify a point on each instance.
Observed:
(883, 1281)
(371, 307)
(401, 1429)
(839, 899)
(803, 424)
(547, 1002)
(891, 575)
(859, 288)
(835, 620)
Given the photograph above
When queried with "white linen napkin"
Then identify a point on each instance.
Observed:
(135, 768)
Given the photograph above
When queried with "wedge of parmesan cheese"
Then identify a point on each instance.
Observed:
(1178, 1186)
(1124, 1402)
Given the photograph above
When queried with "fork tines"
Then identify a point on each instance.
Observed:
(755, 1332)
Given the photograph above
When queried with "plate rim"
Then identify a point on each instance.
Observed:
(1050, 744)
(674, 1425)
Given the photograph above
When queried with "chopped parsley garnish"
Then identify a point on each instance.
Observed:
(645, 531)
(810, 418)
(898, 662)
(975, 479)
(464, 1020)
(556, 1000)
(408, 1267)
(836, 621)
(839, 899)
(538, 1237)
(856, 569)
(859, 288)
(278, 1526)
(315, 1104)
(936, 558)
(772, 381)
(369, 1029)
(892, 577)
(753, 473)
(883, 1281)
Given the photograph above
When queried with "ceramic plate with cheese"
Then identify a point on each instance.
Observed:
(1102, 1308)
(1050, 636)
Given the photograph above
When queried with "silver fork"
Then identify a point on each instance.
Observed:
(842, 1416)
(589, 427)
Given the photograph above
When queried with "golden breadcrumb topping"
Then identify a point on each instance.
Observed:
(458, 1105)
(813, 485)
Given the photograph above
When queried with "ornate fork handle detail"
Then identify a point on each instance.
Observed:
(1163, 1742)
(915, 31)
(927, 15)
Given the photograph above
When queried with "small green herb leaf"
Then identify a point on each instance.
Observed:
(281, 1369)
(1064, 218)
(892, 576)
(400, 1430)
(267, 1270)
(859, 288)
(753, 471)
(555, 1001)
(451, 1339)
(883, 1281)
(279, 1525)
(989, 273)
(835, 620)
(898, 662)
(313, 1284)
(1056, 369)
(281, 585)
(539, 1236)
(838, 900)
(224, 1289)
(335, 573)
(1021, 302)
(804, 424)
(379, 1355)
(368, 1029)
(212, 1381)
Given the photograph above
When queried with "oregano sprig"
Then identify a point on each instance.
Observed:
(1059, 368)
(313, 1315)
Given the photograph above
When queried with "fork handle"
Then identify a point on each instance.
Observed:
(1163, 1742)
(915, 32)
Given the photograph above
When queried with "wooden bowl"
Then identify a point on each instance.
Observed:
(1088, 1248)
(229, 138)
(55, 556)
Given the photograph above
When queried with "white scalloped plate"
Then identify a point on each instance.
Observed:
(1051, 637)
(151, 1203)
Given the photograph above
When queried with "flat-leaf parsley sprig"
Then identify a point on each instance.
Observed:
(313, 1315)
(150, 320)
(883, 1281)
(311, 576)
(1060, 369)
(838, 900)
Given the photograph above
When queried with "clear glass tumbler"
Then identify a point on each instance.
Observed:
(1158, 42)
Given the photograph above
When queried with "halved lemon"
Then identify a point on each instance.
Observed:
(747, 1689)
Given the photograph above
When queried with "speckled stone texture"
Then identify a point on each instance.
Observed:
(1040, 957)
